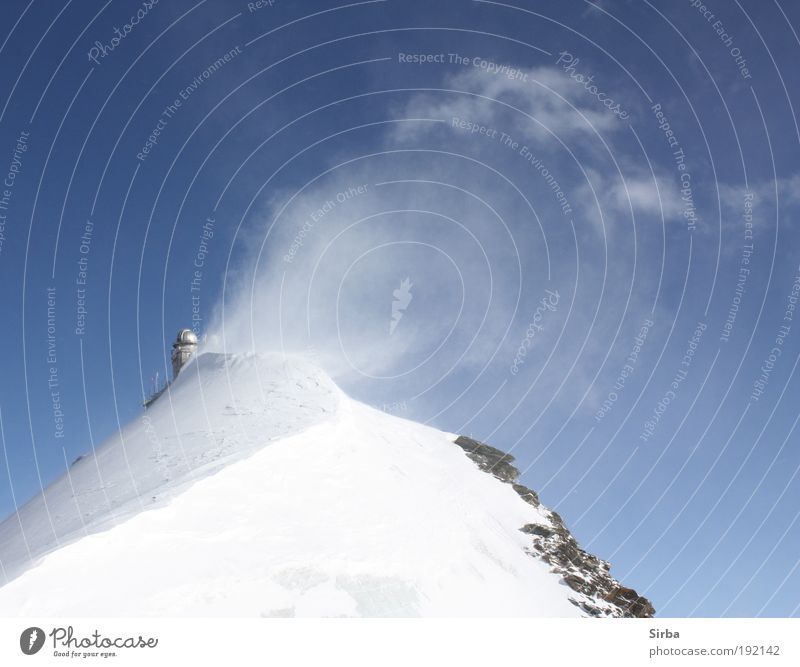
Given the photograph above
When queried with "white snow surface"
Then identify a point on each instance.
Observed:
(255, 487)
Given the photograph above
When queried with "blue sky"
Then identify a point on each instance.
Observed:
(593, 204)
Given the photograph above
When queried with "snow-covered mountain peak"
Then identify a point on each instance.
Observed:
(254, 486)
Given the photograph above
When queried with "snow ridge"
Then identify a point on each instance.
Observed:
(202, 422)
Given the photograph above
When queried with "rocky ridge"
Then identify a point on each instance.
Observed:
(596, 592)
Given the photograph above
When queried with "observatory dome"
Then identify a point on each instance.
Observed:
(186, 337)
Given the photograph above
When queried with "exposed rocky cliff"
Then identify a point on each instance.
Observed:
(596, 591)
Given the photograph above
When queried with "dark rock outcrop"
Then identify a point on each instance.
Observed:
(489, 459)
(597, 593)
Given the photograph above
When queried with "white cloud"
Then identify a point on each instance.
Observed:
(546, 105)
(328, 284)
(474, 275)
(638, 192)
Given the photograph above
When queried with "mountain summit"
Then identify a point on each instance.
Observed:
(254, 486)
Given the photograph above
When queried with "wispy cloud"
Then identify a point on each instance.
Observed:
(325, 262)
(636, 192)
(540, 103)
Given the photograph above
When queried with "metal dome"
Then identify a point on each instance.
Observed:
(186, 337)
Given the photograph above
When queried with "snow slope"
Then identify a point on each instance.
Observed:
(271, 493)
(219, 409)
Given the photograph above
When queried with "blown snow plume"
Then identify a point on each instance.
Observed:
(254, 486)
